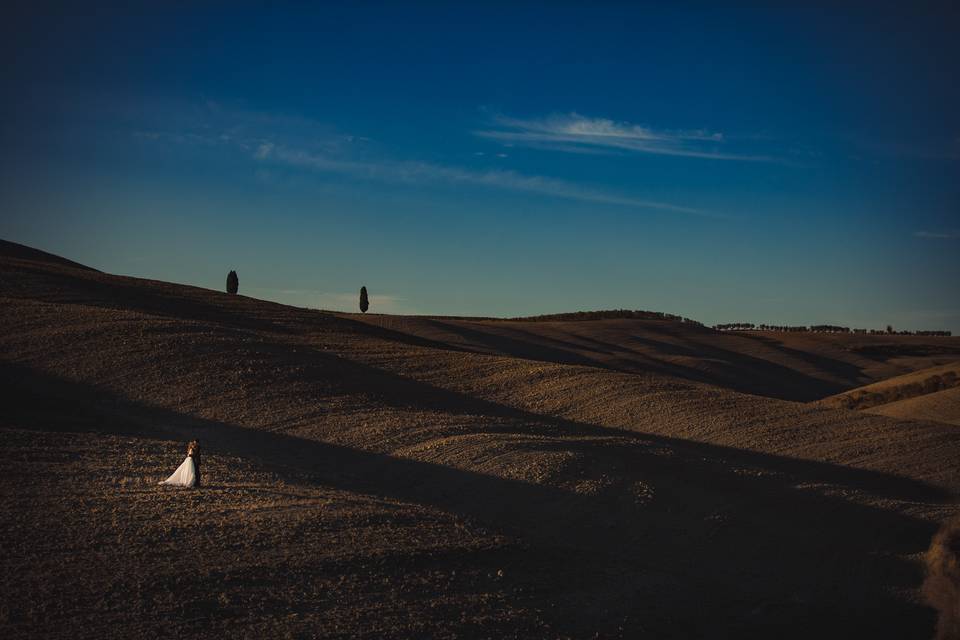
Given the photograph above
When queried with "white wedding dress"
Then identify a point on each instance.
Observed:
(184, 476)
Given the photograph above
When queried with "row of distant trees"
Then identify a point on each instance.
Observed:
(823, 328)
(233, 285)
(609, 314)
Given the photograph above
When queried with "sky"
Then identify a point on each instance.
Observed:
(789, 166)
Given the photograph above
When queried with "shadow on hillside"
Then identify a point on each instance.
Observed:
(749, 374)
(731, 369)
(837, 367)
(499, 344)
(685, 540)
(356, 378)
(56, 284)
(61, 284)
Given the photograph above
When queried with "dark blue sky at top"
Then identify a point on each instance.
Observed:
(788, 166)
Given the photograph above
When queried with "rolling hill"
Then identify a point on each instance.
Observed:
(790, 366)
(941, 406)
(409, 477)
(932, 393)
(925, 381)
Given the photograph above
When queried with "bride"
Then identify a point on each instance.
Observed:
(186, 473)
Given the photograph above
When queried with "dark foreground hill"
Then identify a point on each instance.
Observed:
(370, 480)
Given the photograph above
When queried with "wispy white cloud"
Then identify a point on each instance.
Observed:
(943, 235)
(574, 133)
(421, 172)
(264, 149)
(272, 140)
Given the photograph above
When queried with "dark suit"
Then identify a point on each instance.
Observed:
(194, 453)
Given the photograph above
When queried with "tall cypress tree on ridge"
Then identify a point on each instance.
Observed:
(233, 283)
(364, 301)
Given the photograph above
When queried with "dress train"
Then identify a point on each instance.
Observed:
(184, 476)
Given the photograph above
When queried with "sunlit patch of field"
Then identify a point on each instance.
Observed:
(941, 406)
(923, 382)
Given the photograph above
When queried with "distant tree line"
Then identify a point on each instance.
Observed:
(735, 326)
(609, 314)
(823, 328)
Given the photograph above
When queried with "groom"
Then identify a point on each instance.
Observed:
(193, 450)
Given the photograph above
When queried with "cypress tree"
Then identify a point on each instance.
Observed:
(364, 302)
(233, 283)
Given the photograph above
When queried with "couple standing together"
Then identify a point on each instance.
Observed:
(188, 473)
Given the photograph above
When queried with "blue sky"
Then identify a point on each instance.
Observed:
(791, 166)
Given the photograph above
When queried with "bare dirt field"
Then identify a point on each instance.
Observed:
(942, 406)
(404, 477)
(926, 381)
(790, 366)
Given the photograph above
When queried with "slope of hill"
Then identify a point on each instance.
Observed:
(19, 251)
(941, 406)
(917, 383)
(368, 480)
(790, 366)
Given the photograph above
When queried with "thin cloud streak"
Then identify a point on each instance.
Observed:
(574, 133)
(421, 172)
(941, 235)
(329, 151)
